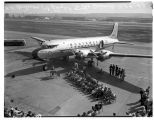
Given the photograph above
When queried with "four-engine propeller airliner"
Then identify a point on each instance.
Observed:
(90, 47)
(82, 47)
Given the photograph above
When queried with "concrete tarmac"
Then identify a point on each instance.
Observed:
(33, 89)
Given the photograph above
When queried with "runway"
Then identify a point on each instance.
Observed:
(33, 89)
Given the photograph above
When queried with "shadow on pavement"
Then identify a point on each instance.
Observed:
(92, 71)
(106, 78)
(25, 71)
(39, 68)
(134, 103)
(135, 107)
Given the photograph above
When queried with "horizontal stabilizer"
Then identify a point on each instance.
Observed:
(129, 55)
(123, 42)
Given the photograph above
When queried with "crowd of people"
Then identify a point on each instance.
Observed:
(145, 108)
(95, 110)
(117, 71)
(90, 86)
(15, 112)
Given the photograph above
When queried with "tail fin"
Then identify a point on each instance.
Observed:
(114, 33)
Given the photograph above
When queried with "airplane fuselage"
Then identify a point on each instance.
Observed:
(63, 47)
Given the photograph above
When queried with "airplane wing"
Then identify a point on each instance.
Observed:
(129, 55)
(39, 40)
(105, 54)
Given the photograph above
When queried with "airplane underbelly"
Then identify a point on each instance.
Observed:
(59, 54)
(47, 54)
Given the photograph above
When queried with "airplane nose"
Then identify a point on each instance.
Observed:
(43, 54)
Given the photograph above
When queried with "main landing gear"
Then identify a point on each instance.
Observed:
(48, 64)
(45, 67)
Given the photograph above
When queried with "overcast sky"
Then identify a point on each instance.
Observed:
(79, 8)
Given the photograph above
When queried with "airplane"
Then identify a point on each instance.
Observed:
(88, 47)
(80, 47)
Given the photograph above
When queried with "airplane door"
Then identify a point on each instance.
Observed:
(101, 44)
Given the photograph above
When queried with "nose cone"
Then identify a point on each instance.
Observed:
(43, 54)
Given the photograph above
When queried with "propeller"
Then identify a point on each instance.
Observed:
(102, 55)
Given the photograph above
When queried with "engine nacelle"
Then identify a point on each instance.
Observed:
(80, 54)
(103, 55)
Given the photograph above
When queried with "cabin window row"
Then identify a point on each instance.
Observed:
(86, 44)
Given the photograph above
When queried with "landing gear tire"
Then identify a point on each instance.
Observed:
(45, 67)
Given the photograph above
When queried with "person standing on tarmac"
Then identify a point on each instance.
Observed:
(121, 71)
(110, 68)
(123, 74)
(116, 70)
(113, 69)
